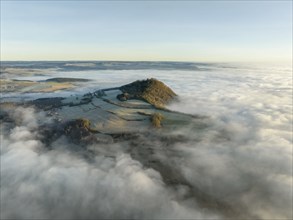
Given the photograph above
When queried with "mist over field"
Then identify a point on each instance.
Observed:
(238, 167)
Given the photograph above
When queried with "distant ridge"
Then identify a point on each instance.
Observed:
(104, 65)
(63, 79)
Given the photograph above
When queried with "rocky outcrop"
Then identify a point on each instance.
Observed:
(151, 90)
(123, 97)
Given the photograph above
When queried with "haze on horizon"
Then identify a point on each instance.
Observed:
(222, 31)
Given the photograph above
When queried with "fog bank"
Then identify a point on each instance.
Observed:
(239, 166)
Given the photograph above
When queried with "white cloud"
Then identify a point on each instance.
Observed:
(239, 166)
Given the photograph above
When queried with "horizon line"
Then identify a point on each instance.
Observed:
(153, 61)
(148, 61)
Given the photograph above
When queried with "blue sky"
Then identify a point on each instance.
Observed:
(212, 31)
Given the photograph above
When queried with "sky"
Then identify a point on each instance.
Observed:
(198, 31)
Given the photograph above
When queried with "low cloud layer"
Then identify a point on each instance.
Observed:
(39, 183)
(240, 166)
